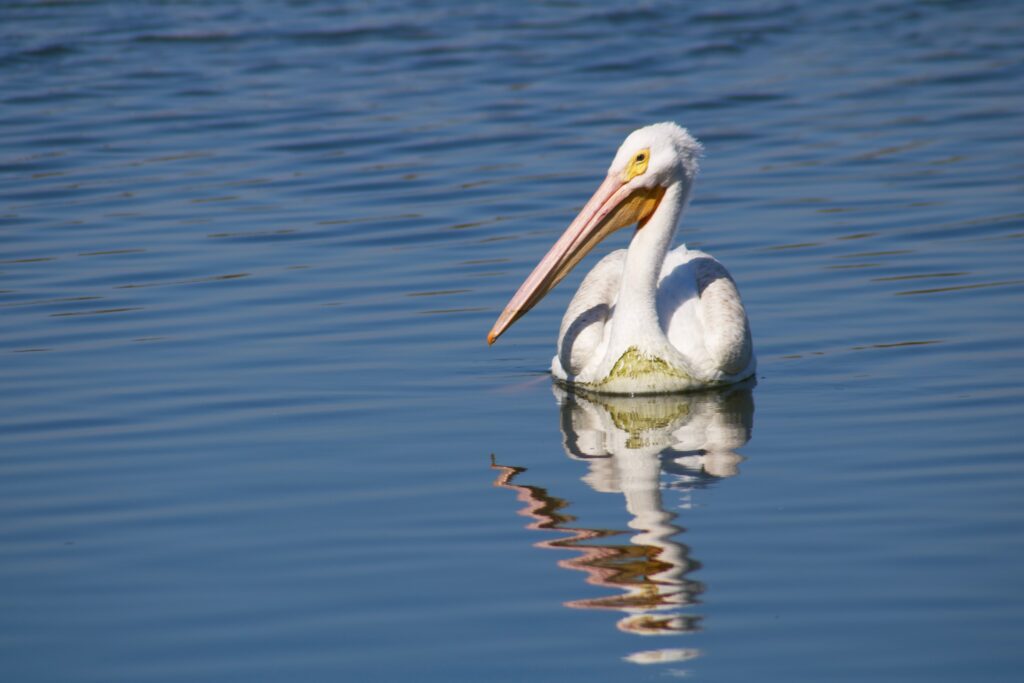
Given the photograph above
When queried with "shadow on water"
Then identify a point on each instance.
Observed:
(640, 446)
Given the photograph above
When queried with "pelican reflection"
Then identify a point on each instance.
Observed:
(641, 447)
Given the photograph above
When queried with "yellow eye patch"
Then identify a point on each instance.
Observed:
(637, 165)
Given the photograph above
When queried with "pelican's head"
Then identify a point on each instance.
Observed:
(655, 156)
(650, 160)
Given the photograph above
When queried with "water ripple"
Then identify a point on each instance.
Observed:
(249, 255)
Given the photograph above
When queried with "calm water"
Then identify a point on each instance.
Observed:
(250, 429)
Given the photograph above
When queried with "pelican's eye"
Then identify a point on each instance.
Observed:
(638, 164)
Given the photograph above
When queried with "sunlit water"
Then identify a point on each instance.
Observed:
(250, 428)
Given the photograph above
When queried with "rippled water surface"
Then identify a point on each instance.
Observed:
(250, 429)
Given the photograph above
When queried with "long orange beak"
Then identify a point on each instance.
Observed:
(613, 206)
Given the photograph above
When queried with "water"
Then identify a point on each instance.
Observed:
(250, 429)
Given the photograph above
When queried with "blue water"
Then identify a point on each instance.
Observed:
(251, 431)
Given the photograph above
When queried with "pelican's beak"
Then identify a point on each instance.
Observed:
(613, 206)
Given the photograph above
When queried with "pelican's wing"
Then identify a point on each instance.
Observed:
(702, 312)
(582, 330)
(726, 330)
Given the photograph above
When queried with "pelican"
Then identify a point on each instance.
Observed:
(647, 319)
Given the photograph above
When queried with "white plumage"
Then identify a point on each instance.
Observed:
(703, 330)
(645, 319)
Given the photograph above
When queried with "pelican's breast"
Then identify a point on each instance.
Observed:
(589, 356)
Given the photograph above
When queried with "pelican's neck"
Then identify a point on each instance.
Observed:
(636, 311)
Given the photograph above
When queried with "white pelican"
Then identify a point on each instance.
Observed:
(645, 320)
